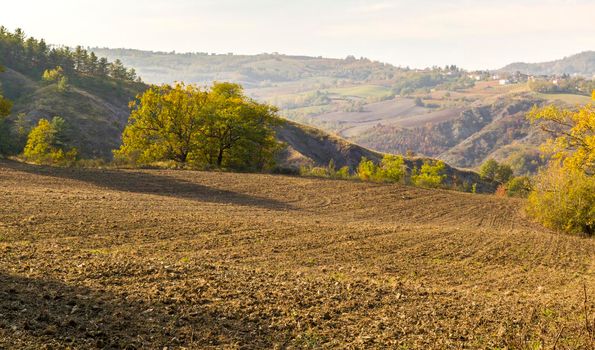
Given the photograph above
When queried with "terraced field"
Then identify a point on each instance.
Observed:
(182, 259)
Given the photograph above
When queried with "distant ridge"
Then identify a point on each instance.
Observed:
(582, 64)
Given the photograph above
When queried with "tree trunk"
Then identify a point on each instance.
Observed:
(220, 157)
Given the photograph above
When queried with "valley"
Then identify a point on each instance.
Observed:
(376, 105)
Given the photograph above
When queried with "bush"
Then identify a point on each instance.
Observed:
(492, 170)
(564, 196)
(519, 186)
(343, 173)
(429, 175)
(46, 144)
(392, 168)
(366, 170)
(328, 172)
(564, 199)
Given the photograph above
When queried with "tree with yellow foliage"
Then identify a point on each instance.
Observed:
(46, 143)
(218, 127)
(564, 194)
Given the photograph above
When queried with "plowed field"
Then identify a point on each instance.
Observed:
(154, 259)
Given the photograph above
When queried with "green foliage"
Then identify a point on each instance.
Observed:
(5, 107)
(343, 173)
(46, 143)
(53, 75)
(218, 127)
(329, 172)
(492, 170)
(430, 175)
(526, 161)
(564, 194)
(366, 170)
(392, 168)
(564, 199)
(566, 84)
(519, 186)
(34, 57)
(56, 75)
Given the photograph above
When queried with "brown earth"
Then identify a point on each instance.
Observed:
(154, 259)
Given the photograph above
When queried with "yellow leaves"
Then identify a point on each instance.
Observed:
(574, 135)
(183, 123)
(5, 106)
(564, 197)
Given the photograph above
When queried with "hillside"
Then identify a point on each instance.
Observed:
(89, 92)
(443, 113)
(157, 259)
(96, 114)
(249, 70)
(439, 112)
(467, 138)
(95, 103)
(580, 64)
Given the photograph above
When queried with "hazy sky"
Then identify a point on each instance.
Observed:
(417, 33)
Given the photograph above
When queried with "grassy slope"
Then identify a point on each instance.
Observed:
(92, 258)
(96, 111)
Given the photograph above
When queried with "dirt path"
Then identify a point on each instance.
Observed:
(148, 259)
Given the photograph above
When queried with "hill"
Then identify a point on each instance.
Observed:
(95, 102)
(249, 70)
(92, 93)
(461, 117)
(217, 260)
(582, 64)
(96, 116)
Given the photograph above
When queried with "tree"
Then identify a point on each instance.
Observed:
(366, 170)
(492, 170)
(519, 186)
(430, 175)
(118, 71)
(238, 128)
(47, 143)
(102, 67)
(57, 76)
(489, 169)
(218, 127)
(573, 135)
(392, 168)
(166, 123)
(564, 199)
(564, 194)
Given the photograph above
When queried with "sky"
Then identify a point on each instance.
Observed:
(477, 34)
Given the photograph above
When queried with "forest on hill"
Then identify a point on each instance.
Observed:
(581, 64)
(89, 92)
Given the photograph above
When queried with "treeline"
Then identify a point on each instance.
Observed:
(449, 78)
(391, 169)
(580, 86)
(32, 57)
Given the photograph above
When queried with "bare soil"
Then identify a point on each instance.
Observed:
(182, 259)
